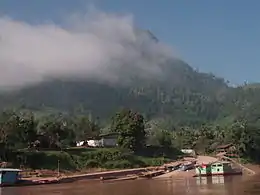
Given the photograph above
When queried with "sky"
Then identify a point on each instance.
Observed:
(221, 37)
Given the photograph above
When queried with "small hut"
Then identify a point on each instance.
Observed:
(226, 148)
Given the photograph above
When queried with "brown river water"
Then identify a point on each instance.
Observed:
(236, 185)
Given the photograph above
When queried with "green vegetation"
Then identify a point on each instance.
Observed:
(42, 143)
(82, 158)
(182, 109)
(130, 127)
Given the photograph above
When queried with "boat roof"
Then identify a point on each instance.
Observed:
(222, 162)
(10, 170)
(216, 162)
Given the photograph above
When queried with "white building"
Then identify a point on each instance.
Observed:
(188, 151)
(105, 140)
(94, 143)
(80, 143)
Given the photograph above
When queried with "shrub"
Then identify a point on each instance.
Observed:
(92, 164)
(118, 164)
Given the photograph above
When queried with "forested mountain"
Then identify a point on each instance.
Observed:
(181, 107)
(179, 95)
(182, 94)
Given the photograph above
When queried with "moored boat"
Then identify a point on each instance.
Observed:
(187, 166)
(12, 177)
(217, 168)
(9, 177)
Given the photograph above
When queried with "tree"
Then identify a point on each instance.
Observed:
(163, 138)
(56, 132)
(85, 128)
(26, 130)
(246, 137)
(130, 127)
(17, 130)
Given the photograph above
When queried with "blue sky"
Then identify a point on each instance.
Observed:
(219, 36)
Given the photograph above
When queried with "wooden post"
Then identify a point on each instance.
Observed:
(58, 168)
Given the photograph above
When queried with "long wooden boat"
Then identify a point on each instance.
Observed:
(31, 182)
(151, 174)
(122, 179)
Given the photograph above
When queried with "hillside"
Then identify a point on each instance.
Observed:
(182, 94)
(173, 92)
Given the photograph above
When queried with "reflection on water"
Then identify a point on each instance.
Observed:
(237, 185)
(215, 180)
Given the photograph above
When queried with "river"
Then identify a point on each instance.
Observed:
(236, 185)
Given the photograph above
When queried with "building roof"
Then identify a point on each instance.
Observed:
(10, 170)
(224, 146)
(104, 135)
(109, 134)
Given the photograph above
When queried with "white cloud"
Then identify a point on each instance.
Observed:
(93, 46)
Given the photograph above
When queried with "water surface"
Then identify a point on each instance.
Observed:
(237, 185)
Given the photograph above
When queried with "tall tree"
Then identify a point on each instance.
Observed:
(84, 128)
(56, 132)
(164, 138)
(130, 127)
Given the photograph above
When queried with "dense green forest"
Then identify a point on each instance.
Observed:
(182, 109)
(41, 143)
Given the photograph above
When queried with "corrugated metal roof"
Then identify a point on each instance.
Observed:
(10, 170)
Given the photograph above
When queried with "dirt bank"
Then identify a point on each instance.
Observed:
(206, 159)
(177, 173)
(135, 172)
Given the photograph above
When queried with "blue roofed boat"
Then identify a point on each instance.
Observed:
(9, 177)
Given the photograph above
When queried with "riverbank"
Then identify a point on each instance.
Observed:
(114, 175)
(90, 164)
(70, 177)
(248, 169)
(156, 172)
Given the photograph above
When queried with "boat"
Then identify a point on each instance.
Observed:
(133, 177)
(172, 166)
(37, 182)
(187, 166)
(151, 174)
(9, 176)
(217, 168)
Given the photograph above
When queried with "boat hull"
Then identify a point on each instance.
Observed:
(219, 174)
(30, 183)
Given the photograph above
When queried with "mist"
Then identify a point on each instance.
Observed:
(97, 45)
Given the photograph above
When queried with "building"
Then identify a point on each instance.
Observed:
(225, 148)
(80, 143)
(228, 150)
(94, 143)
(189, 152)
(9, 176)
(108, 140)
(104, 140)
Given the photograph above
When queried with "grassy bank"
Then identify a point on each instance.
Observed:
(76, 159)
